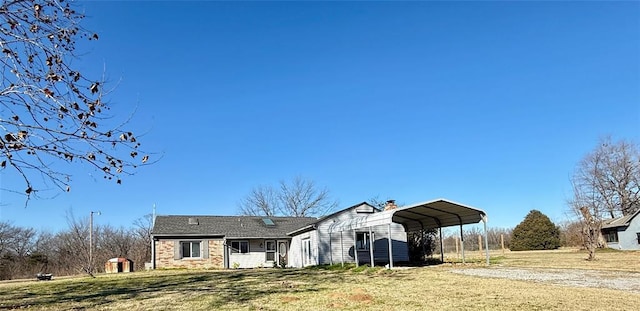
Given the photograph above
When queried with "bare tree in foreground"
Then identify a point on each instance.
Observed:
(606, 184)
(298, 197)
(50, 112)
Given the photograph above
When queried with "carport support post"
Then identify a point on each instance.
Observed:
(330, 251)
(441, 245)
(462, 243)
(486, 237)
(355, 248)
(372, 263)
(390, 247)
(341, 250)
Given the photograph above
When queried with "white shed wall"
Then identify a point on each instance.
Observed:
(329, 248)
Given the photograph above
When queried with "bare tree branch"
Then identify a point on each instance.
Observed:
(298, 198)
(261, 201)
(51, 113)
(605, 185)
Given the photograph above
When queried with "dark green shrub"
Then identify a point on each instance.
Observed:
(535, 232)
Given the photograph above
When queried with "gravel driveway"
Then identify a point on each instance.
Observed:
(627, 281)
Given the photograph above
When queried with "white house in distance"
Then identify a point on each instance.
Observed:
(360, 234)
(623, 232)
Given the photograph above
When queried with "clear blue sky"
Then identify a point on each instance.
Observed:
(490, 104)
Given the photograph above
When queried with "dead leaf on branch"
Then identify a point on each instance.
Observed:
(94, 87)
(9, 137)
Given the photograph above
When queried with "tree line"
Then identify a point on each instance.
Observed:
(25, 252)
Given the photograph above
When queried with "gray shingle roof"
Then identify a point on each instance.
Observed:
(228, 226)
(623, 221)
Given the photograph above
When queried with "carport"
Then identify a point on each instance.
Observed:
(436, 214)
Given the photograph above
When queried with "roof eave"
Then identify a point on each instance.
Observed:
(187, 235)
(303, 229)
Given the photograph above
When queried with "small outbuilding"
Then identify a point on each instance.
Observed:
(118, 265)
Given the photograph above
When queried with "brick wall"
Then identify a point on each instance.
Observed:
(165, 258)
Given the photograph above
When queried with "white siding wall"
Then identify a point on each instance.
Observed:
(380, 248)
(628, 239)
(295, 251)
(331, 251)
(254, 259)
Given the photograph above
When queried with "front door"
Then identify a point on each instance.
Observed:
(306, 252)
(283, 253)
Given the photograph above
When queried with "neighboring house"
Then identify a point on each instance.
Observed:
(360, 233)
(623, 232)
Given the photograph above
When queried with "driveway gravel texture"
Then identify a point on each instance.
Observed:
(618, 280)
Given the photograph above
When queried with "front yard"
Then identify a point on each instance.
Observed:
(433, 287)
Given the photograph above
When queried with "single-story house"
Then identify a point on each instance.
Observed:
(623, 232)
(360, 233)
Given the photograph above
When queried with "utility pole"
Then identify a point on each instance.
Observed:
(91, 241)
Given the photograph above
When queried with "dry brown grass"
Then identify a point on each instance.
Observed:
(317, 289)
(564, 258)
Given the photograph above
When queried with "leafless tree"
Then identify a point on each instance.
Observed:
(51, 112)
(16, 245)
(260, 201)
(25, 251)
(73, 245)
(605, 185)
(114, 242)
(571, 233)
(299, 198)
(141, 251)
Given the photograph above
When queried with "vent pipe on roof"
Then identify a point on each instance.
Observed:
(391, 204)
(193, 221)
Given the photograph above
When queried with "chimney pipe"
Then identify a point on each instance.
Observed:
(391, 204)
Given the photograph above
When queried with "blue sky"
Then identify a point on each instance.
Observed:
(490, 104)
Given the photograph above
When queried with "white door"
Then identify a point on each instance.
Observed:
(306, 252)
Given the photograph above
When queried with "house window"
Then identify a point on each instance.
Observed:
(270, 250)
(638, 236)
(239, 247)
(611, 236)
(190, 249)
(362, 240)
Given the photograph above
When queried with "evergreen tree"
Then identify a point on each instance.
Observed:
(535, 232)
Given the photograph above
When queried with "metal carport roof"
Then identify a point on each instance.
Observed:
(437, 214)
(433, 214)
